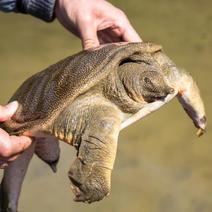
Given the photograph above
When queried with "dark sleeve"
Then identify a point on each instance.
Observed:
(43, 9)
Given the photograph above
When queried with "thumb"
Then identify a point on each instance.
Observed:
(8, 111)
(88, 32)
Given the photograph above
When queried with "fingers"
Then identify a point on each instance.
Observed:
(11, 147)
(19, 144)
(118, 30)
(118, 24)
(4, 162)
(86, 18)
(124, 28)
(88, 33)
(3, 165)
(130, 35)
(109, 36)
(6, 112)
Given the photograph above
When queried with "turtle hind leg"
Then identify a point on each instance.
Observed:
(90, 174)
(12, 181)
(48, 150)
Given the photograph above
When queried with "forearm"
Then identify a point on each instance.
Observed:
(43, 9)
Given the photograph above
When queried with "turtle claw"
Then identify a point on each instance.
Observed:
(79, 197)
(201, 126)
(89, 183)
(200, 132)
(53, 166)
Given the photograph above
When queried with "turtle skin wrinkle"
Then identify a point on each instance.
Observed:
(85, 100)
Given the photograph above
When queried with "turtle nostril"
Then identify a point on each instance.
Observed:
(203, 120)
(171, 90)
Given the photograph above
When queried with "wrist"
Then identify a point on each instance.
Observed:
(43, 9)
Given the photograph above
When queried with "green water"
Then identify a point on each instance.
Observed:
(161, 166)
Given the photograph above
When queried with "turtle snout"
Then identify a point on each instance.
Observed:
(167, 91)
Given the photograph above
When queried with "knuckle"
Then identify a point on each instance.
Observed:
(84, 18)
(2, 113)
(121, 13)
(121, 19)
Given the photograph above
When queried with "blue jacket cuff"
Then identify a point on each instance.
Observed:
(43, 9)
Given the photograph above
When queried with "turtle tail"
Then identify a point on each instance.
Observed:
(48, 150)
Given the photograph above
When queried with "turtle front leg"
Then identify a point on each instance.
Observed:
(190, 99)
(188, 92)
(12, 181)
(90, 173)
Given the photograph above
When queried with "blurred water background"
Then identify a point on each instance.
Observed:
(161, 165)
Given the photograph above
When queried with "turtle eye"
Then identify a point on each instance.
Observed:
(147, 80)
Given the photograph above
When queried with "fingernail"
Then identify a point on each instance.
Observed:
(12, 107)
(89, 44)
(27, 142)
(3, 166)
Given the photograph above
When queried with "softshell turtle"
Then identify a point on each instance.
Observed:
(85, 100)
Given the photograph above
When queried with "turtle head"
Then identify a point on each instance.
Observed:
(144, 85)
(153, 87)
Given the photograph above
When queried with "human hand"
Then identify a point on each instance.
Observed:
(10, 146)
(95, 22)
